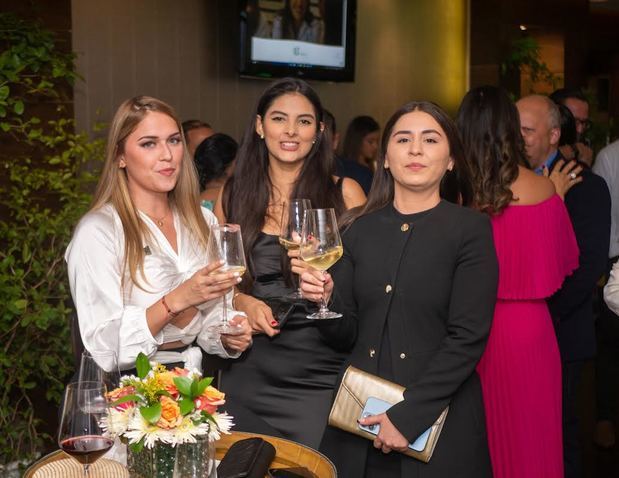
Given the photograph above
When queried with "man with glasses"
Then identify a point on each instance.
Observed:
(577, 103)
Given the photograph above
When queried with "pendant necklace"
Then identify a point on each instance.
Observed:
(159, 222)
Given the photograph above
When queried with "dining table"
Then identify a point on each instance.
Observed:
(289, 454)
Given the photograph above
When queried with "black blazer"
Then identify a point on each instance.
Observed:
(571, 307)
(434, 282)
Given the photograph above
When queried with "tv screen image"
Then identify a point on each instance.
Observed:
(312, 39)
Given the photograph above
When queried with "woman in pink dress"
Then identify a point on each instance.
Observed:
(520, 370)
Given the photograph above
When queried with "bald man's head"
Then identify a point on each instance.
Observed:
(540, 124)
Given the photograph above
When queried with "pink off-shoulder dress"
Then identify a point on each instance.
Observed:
(521, 368)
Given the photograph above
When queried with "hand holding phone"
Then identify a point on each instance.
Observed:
(376, 406)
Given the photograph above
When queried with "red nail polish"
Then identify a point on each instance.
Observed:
(274, 322)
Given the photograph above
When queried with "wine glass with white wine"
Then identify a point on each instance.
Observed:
(291, 228)
(226, 244)
(321, 247)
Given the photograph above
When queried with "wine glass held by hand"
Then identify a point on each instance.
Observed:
(226, 243)
(291, 229)
(85, 418)
(321, 247)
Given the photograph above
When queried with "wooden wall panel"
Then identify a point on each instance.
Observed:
(186, 54)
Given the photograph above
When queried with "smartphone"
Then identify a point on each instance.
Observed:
(297, 472)
(376, 406)
(281, 311)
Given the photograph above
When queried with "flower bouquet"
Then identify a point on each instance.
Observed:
(167, 416)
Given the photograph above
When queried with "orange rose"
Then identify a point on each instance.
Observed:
(118, 393)
(170, 413)
(210, 399)
(180, 372)
(166, 379)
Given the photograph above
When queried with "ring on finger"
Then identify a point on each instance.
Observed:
(572, 175)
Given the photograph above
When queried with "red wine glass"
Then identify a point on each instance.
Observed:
(82, 434)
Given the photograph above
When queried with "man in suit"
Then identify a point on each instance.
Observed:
(588, 204)
(607, 361)
(577, 103)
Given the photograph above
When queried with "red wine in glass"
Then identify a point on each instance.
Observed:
(86, 449)
(82, 433)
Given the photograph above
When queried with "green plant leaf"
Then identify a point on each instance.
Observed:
(151, 414)
(159, 393)
(126, 398)
(142, 365)
(137, 447)
(4, 92)
(202, 384)
(186, 406)
(20, 304)
(208, 417)
(18, 107)
(184, 386)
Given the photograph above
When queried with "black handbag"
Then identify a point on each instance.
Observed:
(249, 458)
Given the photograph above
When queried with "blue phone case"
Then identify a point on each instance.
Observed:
(376, 406)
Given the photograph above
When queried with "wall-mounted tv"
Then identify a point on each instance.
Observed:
(313, 39)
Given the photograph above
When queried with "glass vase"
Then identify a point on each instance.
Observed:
(196, 460)
(189, 460)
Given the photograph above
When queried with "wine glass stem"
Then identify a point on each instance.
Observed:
(224, 311)
(323, 300)
(299, 291)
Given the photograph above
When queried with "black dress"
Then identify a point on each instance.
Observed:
(282, 386)
(418, 293)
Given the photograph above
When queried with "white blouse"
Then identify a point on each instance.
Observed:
(112, 317)
(611, 289)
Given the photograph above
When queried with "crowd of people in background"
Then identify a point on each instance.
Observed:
(473, 248)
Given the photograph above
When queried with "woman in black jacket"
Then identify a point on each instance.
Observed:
(417, 288)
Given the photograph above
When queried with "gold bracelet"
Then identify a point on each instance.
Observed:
(236, 294)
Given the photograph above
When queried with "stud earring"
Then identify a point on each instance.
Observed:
(261, 135)
(314, 141)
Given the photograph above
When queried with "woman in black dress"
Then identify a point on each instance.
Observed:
(417, 287)
(283, 385)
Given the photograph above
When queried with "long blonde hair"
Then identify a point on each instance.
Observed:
(113, 188)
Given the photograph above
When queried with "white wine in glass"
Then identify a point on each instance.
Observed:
(321, 247)
(291, 229)
(226, 244)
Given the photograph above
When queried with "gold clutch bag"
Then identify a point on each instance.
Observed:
(356, 387)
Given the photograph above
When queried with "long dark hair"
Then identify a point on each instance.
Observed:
(288, 27)
(358, 128)
(248, 191)
(490, 127)
(213, 156)
(455, 185)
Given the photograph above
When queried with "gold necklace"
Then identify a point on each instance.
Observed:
(159, 222)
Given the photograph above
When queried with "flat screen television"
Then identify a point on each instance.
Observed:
(312, 39)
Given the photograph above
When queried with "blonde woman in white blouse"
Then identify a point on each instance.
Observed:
(138, 266)
(611, 289)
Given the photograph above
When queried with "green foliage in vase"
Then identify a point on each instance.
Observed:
(44, 184)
